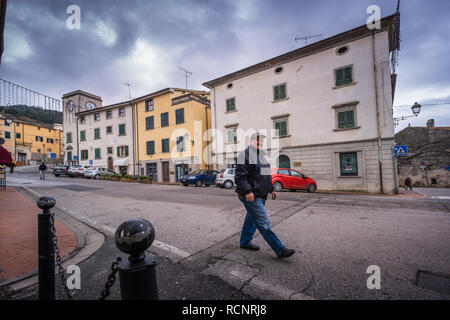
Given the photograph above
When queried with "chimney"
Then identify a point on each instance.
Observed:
(430, 124)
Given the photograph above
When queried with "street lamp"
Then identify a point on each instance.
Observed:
(416, 108)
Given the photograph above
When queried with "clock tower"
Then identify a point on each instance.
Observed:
(74, 103)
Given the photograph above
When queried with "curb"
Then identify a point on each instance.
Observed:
(89, 241)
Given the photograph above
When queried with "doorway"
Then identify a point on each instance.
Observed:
(110, 163)
(152, 171)
(181, 170)
(165, 171)
(284, 162)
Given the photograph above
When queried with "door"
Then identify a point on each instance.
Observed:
(181, 170)
(286, 178)
(284, 162)
(165, 171)
(298, 180)
(110, 163)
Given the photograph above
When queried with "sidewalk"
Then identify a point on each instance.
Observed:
(18, 235)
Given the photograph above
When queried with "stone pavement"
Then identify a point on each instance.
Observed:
(18, 235)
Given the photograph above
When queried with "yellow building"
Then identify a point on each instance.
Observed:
(29, 141)
(171, 133)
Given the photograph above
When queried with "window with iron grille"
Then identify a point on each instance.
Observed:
(349, 164)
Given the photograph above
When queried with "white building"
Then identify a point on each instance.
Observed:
(96, 135)
(330, 101)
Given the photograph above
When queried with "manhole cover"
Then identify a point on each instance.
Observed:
(76, 187)
(432, 281)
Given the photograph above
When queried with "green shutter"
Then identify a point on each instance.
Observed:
(283, 91)
(350, 119)
(348, 74)
(341, 120)
(97, 133)
(276, 93)
(82, 135)
(126, 151)
(69, 155)
(118, 151)
(97, 153)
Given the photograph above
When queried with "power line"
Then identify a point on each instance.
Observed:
(425, 104)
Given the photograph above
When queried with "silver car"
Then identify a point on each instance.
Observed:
(225, 179)
(95, 172)
(76, 170)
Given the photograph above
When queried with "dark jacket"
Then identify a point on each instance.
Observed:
(42, 167)
(253, 173)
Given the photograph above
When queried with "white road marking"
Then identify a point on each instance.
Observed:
(172, 249)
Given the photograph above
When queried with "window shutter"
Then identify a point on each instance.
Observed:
(283, 91)
(341, 120)
(339, 77)
(118, 151)
(276, 93)
(348, 74)
(350, 119)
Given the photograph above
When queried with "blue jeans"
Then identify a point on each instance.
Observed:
(257, 218)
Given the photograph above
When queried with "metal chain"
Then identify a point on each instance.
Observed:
(61, 272)
(111, 279)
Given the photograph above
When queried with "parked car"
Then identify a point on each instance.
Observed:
(199, 178)
(95, 172)
(77, 170)
(292, 179)
(225, 179)
(60, 171)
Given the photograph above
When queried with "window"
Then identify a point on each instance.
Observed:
(180, 144)
(49, 150)
(109, 114)
(231, 135)
(39, 139)
(39, 128)
(281, 128)
(96, 116)
(49, 140)
(84, 154)
(69, 155)
(39, 150)
(284, 172)
(8, 135)
(122, 129)
(97, 153)
(279, 92)
(346, 119)
(6, 123)
(349, 164)
(164, 119)
(121, 112)
(109, 130)
(110, 150)
(296, 174)
(230, 85)
(150, 147)
(344, 76)
(83, 119)
(279, 70)
(18, 124)
(165, 145)
(82, 135)
(149, 123)
(149, 105)
(179, 116)
(122, 151)
(97, 133)
(49, 130)
(231, 106)
(18, 136)
(342, 50)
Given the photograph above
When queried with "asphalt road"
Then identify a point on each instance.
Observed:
(337, 237)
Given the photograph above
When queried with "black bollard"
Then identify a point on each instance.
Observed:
(137, 274)
(46, 250)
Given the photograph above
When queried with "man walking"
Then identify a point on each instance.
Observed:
(253, 184)
(42, 169)
(408, 183)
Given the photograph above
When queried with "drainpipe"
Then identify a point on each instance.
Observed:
(378, 112)
(215, 126)
(134, 140)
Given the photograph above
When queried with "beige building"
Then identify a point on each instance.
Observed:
(329, 104)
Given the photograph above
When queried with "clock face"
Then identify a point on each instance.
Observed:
(70, 105)
(90, 105)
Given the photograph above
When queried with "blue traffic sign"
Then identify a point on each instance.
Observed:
(400, 151)
(52, 155)
(90, 161)
(447, 168)
(75, 157)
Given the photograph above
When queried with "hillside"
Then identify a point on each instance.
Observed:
(33, 114)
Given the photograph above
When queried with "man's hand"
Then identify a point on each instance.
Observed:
(274, 195)
(250, 197)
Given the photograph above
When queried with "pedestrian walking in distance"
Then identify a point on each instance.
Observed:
(408, 183)
(42, 169)
(253, 184)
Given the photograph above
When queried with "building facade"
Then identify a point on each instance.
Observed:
(97, 135)
(172, 133)
(329, 105)
(151, 135)
(29, 141)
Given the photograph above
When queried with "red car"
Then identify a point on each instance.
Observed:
(292, 179)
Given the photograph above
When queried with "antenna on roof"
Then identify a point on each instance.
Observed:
(129, 90)
(306, 38)
(188, 74)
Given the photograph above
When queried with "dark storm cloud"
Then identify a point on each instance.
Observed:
(143, 42)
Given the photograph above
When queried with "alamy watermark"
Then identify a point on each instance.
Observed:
(373, 21)
(73, 21)
(374, 280)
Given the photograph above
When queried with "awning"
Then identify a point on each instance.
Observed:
(120, 162)
(5, 157)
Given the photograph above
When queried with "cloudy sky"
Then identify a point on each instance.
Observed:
(142, 42)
